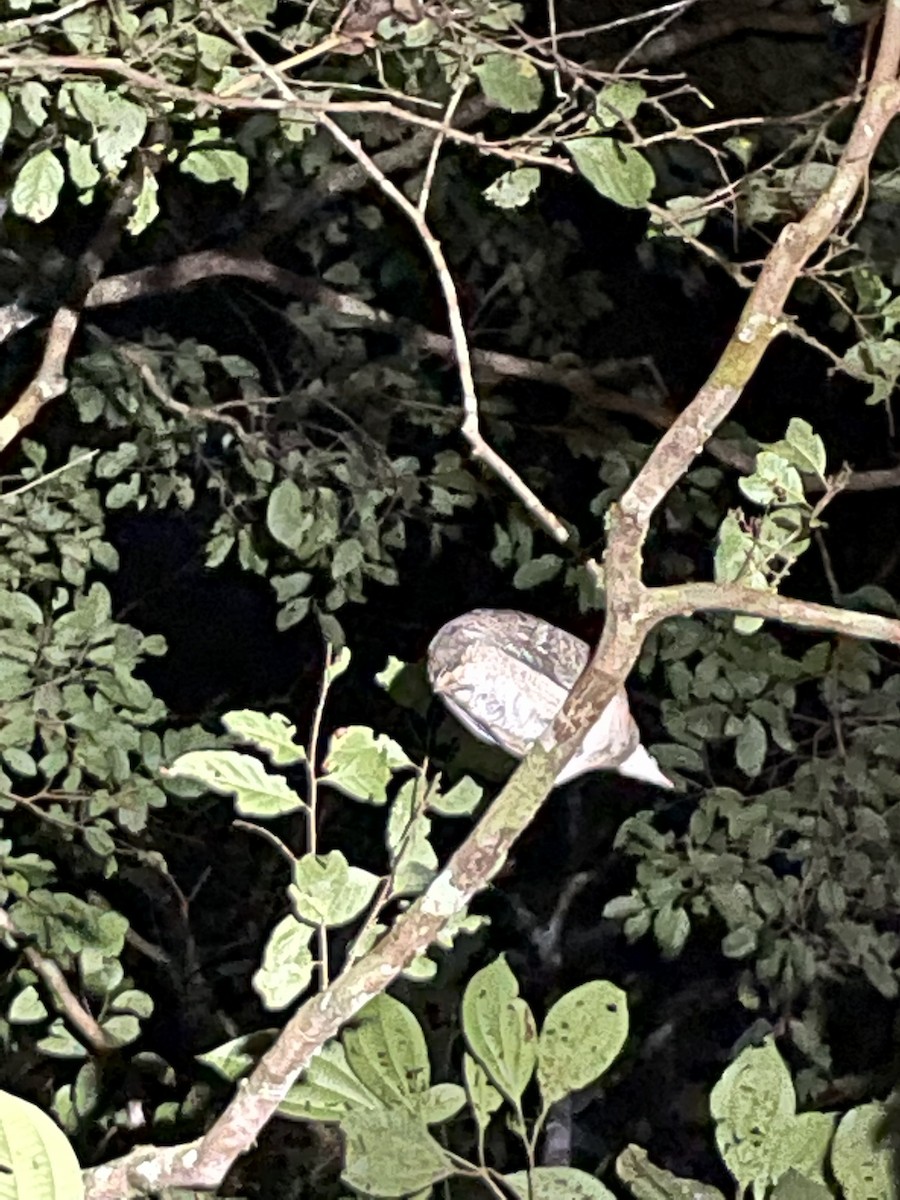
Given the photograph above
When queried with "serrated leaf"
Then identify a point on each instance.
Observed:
(803, 447)
(386, 1049)
(581, 1037)
(361, 763)
(618, 172)
(256, 792)
(326, 890)
(287, 964)
(511, 82)
(35, 1155)
(35, 193)
(499, 1028)
(273, 733)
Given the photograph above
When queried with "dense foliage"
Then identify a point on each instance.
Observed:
(250, 250)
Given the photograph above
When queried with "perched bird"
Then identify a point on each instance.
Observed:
(505, 675)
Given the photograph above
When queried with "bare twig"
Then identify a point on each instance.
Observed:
(470, 428)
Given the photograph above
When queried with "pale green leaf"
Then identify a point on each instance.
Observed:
(361, 763)
(556, 1183)
(35, 192)
(27, 1007)
(499, 1028)
(581, 1037)
(273, 733)
(287, 964)
(864, 1154)
(484, 1099)
(648, 1182)
(256, 792)
(217, 165)
(749, 1104)
(391, 1153)
(329, 1090)
(327, 891)
(35, 1155)
(387, 1051)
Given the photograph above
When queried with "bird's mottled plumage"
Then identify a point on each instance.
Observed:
(505, 675)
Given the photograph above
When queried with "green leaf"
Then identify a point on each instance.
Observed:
(288, 514)
(581, 1037)
(327, 891)
(391, 1153)
(556, 1183)
(751, 745)
(794, 1186)
(499, 1028)
(511, 82)
(5, 117)
(671, 928)
(273, 733)
(484, 1099)
(216, 165)
(619, 101)
(237, 1058)
(537, 571)
(329, 1091)
(618, 172)
(460, 801)
(774, 481)
(386, 1049)
(648, 1182)
(146, 205)
(27, 1007)
(361, 763)
(413, 861)
(35, 1155)
(256, 792)
(864, 1154)
(442, 1102)
(514, 188)
(348, 556)
(802, 447)
(749, 1104)
(287, 964)
(35, 193)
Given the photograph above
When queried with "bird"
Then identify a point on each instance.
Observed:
(505, 675)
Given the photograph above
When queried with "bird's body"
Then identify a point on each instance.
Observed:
(506, 674)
